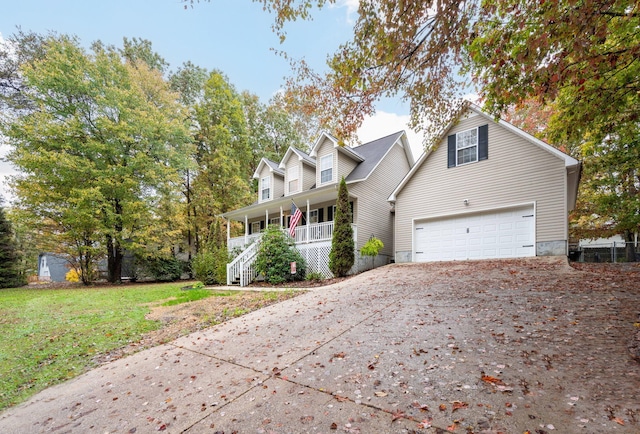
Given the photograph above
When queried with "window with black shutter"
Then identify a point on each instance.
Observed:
(468, 146)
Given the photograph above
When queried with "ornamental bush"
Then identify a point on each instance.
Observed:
(276, 252)
(342, 255)
(371, 248)
(210, 266)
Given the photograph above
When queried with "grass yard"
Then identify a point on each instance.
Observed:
(52, 335)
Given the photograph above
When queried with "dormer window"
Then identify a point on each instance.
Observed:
(326, 169)
(265, 188)
(292, 176)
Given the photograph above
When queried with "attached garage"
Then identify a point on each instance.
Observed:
(501, 233)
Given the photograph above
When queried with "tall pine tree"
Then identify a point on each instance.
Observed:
(342, 255)
(10, 274)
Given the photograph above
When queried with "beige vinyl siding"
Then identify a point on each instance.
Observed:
(373, 210)
(345, 166)
(278, 185)
(293, 162)
(324, 149)
(516, 172)
(308, 177)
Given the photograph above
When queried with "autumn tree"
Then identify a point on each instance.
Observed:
(223, 155)
(513, 51)
(271, 129)
(342, 255)
(100, 148)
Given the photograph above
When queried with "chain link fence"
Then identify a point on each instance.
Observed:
(614, 251)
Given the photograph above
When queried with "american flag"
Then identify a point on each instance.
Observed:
(296, 215)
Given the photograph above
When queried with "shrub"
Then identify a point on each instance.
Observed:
(72, 276)
(164, 269)
(342, 255)
(314, 276)
(372, 248)
(276, 252)
(210, 266)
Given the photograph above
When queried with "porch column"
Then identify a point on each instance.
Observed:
(281, 219)
(228, 230)
(307, 222)
(266, 219)
(246, 229)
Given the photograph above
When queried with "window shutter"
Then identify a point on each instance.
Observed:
(330, 214)
(249, 227)
(451, 151)
(320, 215)
(261, 224)
(483, 142)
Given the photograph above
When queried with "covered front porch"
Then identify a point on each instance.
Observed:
(312, 236)
(316, 225)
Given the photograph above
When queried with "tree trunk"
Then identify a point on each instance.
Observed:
(114, 260)
(114, 254)
(630, 248)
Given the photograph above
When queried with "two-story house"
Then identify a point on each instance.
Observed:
(487, 190)
(310, 181)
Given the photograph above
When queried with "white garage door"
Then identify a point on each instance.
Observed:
(507, 233)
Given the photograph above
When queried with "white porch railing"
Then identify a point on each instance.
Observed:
(242, 241)
(316, 232)
(242, 267)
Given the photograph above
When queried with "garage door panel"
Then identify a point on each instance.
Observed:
(498, 234)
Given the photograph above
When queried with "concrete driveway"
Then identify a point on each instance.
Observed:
(490, 346)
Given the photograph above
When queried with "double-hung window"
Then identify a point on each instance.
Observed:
(255, 228)
(292, 175)
(313, 216)
(326, 169)
(265, 188)
(467, 146)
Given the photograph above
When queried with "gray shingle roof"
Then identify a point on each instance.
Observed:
(274, 166)
(372, 152)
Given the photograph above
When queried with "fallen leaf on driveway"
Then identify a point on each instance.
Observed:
(618, 421)
(492, 380)
(457, 405)
(381, 394)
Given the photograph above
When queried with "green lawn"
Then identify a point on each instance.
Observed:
(52, 335)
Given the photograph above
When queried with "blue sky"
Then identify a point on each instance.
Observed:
(234, 36)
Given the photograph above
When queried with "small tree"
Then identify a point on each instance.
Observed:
(210, 264)
(275, 254)
(10, 274)
(372, 248)
(342, 255)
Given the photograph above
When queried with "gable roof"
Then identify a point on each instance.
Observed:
(373, 152)
(572, 165)
(272, 165)
(347, 150)
(302, 156)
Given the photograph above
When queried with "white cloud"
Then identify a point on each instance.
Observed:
(351, 6)
(382, 124)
